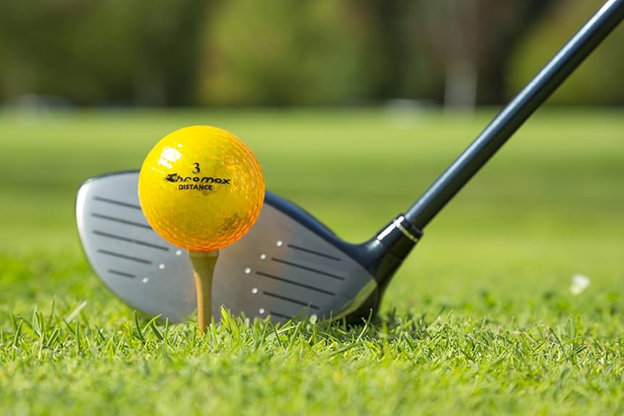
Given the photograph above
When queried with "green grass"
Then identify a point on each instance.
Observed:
(480, 318)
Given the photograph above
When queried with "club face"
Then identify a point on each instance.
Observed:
(288, 264)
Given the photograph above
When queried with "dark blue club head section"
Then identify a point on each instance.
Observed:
(381, 255)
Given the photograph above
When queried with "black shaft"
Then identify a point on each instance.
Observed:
(515, 113)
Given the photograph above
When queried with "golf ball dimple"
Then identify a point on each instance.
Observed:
(201, 188)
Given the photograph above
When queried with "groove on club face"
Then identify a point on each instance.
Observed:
(121, 221)
(281, 268)
(125, 257)
(305, 250)
(130, 240)
(309, 269)
(281, 279)
(120, 273)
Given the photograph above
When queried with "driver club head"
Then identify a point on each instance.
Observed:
(289, 265)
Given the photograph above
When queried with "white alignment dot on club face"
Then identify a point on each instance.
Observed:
(262, 256)
(179, 253)
(279, 243)
(247, 270)
(161, 266)
(145, 279)
(254, 290)
(261, 310)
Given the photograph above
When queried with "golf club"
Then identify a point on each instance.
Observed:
(291, 265)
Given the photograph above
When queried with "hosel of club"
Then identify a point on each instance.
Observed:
(203, 269)
(392, 245)
(389, 248)
(386, 252)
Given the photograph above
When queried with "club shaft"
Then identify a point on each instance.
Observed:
(515, 114)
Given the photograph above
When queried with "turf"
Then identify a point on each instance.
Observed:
(480, 318)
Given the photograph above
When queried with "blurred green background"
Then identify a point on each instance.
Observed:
(287, 52)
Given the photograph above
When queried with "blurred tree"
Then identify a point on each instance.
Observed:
(293, 52)
(68, 48)
(504, 25)
(96, 52)
(450, 51)
(472, 41)
(401, 66)
(389, 20)
(452, 31)
(169, 48)
(599, 79)
(284, 52)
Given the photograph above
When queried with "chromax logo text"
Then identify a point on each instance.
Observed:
(199, 183)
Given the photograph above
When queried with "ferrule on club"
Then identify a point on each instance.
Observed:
(203, 268)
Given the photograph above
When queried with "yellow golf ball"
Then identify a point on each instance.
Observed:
(201, 188)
